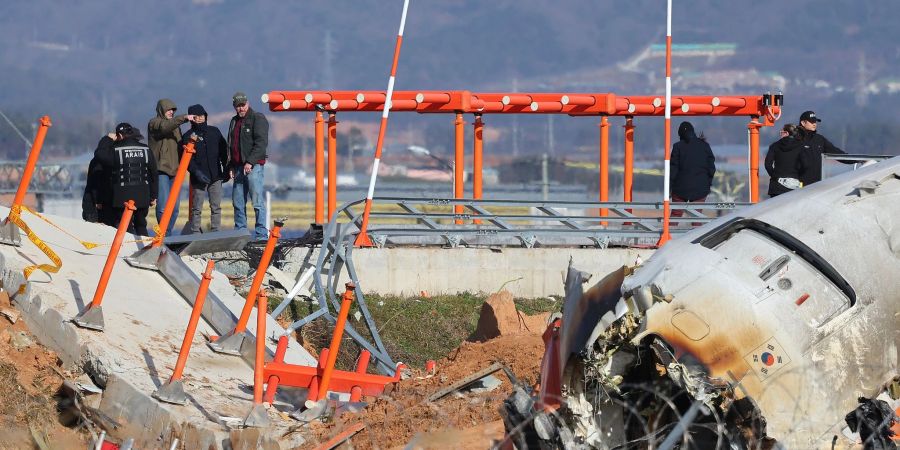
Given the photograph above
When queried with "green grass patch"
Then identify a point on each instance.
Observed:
(415, 329)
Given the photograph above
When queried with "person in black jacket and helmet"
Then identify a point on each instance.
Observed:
(207, 169)
(133, 176)
(692, 168)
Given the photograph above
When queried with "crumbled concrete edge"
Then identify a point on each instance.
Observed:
(139, 415)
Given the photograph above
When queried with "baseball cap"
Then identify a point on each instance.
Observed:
(239, 98)
(809, 116)
(124, 129)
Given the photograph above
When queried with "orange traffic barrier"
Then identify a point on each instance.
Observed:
(320, 169)
(175, 192)
(262, 309)
(173, 391)
(92, 317)
(335, 346)
(274, 235)
(332, 164)
(32, 162)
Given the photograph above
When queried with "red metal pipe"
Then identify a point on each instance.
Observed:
(193, 321)
(274, 380)
(696, 108)
(635, 108)
(335, 346)
(516, 99)
(262, 309)
(622, 104)
(332, 164)
(258, 278)
(370, 97)
(432, 97)
(459, 165)
(317, 97)
(31, 163)
(343, 104)
(477, 159)
(629, 158)
(604, 164)
(753, 126)
(320, 169)
(175, 192)
(729, 102)
(578, 100)
(124, 222)
(660, 102)
(295, 105)
(546, 106)
(362, 364)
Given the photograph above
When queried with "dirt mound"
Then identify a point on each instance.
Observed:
(499, 317)
(405, 414)
(29, 378)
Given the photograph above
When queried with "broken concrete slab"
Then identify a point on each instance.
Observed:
(145, 320)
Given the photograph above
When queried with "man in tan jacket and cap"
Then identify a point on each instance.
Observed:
(163, 136)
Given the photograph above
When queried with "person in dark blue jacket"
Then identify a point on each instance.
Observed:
(207, 169)
(692, 169)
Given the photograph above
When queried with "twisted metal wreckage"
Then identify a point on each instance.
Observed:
(762, 329)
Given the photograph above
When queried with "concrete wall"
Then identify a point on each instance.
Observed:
(524, 272)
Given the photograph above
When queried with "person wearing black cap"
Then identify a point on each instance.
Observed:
(133, 176)
(692, 168)
(248, 137)
(813, 146)
(207, 169)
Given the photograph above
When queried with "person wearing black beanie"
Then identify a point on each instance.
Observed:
(207, 169)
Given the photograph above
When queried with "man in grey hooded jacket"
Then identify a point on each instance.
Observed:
(163, 136)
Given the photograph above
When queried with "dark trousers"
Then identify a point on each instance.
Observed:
(138, 223)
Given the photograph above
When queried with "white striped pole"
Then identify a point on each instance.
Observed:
(665, 236)
(362, 239)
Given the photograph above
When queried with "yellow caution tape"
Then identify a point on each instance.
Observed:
(86, 244)
(15, 217)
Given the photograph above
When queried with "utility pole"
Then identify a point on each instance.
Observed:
(515, 124)
(551, 141)
(545, 178)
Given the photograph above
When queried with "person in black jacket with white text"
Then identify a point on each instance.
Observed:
(692, 169)
(133, 176)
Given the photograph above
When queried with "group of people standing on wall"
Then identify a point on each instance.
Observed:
(125, 168)
(794, 161)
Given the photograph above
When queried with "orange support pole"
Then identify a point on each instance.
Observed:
(173, 390)
(604, 164)
(262, 309)
(313, 392)
(332, 164)
(194, 320)
(362, 364)
(274, 235)
(753, 126)
(458, 166)
(175, 193)
(629, 159)
(274, 380)
(320, 169)
(477, 160)
(113, 253)
(31, 163)
(92, 316)
(335, 346)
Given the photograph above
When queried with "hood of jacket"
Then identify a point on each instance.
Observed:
(164, 105)
(686, 131)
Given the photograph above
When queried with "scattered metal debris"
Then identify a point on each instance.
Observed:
(465, 382)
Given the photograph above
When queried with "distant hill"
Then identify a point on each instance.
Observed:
(106, 61)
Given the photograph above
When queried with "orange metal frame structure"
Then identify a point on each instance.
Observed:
(763, 110)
